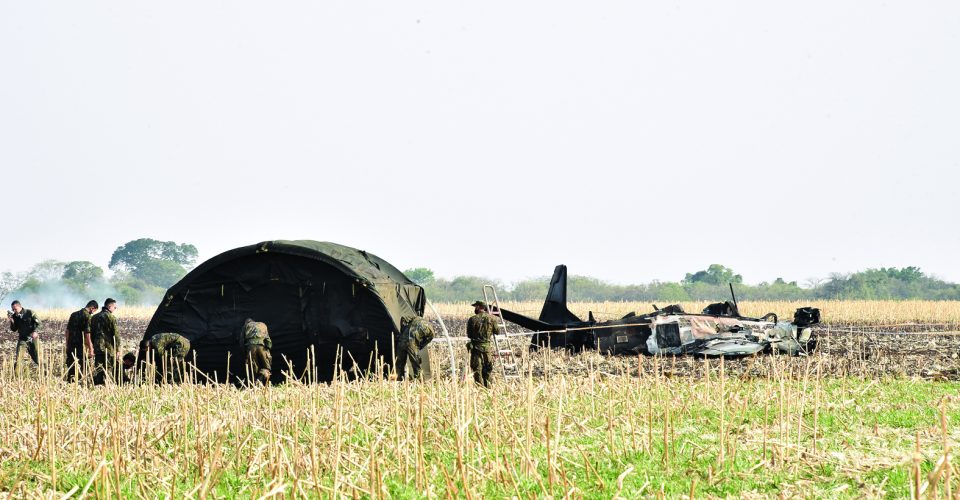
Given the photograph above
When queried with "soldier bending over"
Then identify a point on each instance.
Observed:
(257, 343)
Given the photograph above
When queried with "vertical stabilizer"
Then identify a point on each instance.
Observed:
(555, 307)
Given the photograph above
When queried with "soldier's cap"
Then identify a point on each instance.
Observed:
(479, 303)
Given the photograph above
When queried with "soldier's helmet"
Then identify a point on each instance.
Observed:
(480, 304)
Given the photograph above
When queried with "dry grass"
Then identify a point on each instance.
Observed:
(852, 312)
(642, 432)
(854, 420)
(123, 312)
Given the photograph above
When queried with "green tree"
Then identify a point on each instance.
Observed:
(460, 289)
(40, 275)
(131, 290)
(531, 289)
(158, 263)
(81, 273)
(887, 283)
(133, 254)
(9, 282)
(47, 270)
(162, 273)
(716, 274)
(671, 292)
(420, 275)
(908, 274)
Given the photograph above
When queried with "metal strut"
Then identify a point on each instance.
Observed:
(509, 365)
(446, 333)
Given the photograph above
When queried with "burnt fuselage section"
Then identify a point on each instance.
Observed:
(622, 336)
(720, 330)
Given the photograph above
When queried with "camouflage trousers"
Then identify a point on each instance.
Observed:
(481, 365)
(259, 362)
(171, 370)
(408, 353)
(75, 361)
(32, 347)
(106, 366)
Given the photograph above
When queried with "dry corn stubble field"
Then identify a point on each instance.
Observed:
(859, 418)
(835, 312)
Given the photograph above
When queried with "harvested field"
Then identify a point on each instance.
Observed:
(868, 349)
(835, 312)
(785, 430)
(871, 414)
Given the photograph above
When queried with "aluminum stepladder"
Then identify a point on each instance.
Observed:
(509, 364)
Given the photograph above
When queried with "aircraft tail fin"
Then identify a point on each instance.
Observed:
(555, 306)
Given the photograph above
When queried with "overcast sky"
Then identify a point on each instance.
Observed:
(631, 140)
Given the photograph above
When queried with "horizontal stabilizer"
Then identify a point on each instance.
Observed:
(528, 323)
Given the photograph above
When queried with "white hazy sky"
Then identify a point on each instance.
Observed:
(631, 140)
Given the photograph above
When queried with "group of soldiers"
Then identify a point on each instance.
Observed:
(93, 344)
(416, 333)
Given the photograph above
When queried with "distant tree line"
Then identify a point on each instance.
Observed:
(142, 271)
(708, 284)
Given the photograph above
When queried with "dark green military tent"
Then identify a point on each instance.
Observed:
(309, 293)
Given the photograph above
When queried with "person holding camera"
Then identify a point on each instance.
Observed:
(25, 324)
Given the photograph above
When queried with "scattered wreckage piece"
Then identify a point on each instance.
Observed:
(720, 330)
(729, 335)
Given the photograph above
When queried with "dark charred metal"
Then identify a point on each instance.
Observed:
(719, 330)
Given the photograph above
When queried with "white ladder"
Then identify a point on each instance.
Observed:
(509, 364)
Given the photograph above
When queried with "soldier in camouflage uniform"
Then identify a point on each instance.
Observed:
(25, 324)
(129, 361)
(106, 341)
(171, 356)
(415, 334)
(79, 341)
(481, 327)
(257, 344)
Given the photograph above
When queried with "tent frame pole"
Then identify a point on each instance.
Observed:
(446, 333)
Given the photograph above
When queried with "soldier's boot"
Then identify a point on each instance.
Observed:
(263, 376)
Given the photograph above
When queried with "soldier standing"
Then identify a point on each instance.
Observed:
(415, 334)
(78, 340)
(171, 358)
(26, 324)
(106, 341)
(481, 327)
(257, 344)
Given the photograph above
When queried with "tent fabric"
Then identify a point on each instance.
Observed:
(341, 303)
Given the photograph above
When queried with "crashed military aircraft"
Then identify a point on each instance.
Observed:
(719, 330)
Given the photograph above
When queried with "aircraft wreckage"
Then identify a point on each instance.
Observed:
(719, 330)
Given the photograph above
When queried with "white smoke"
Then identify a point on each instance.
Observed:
(59, 295)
